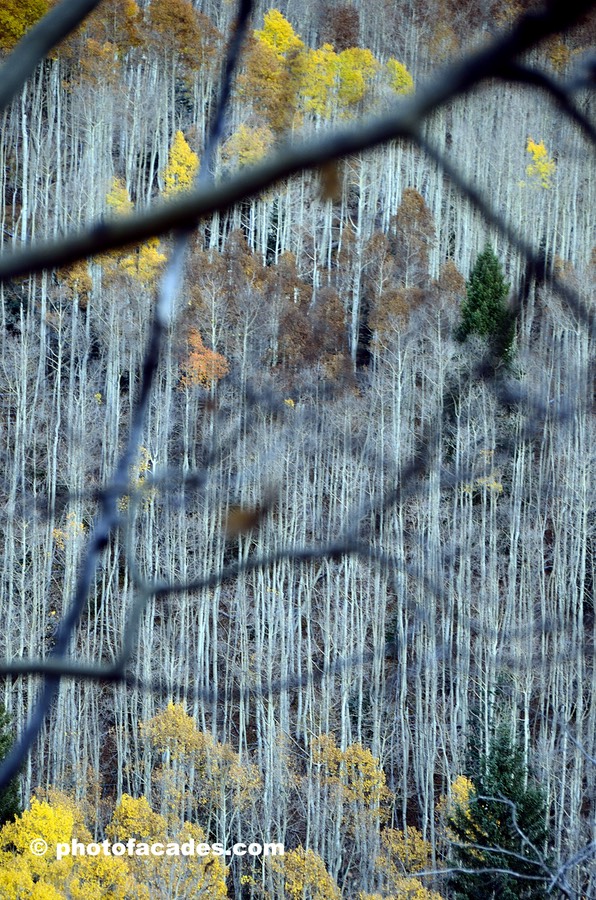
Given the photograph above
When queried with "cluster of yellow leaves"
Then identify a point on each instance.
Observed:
(138, 477)
(193, 875)
(336, 81)
(282, 73)
(408, 847)
(462, 791)
(145, 262)
(402, 854)
(17, 17)
(399, 78)
(304, 876)
(118, 198)
(405, 889)
(278, 34)
(71, 531)
(202, 366)
(87, 877)
(354, 772)
(247, 145)
(77, 281)
(183, 165)
(542, 168)
(175, 734)
(25, 875)
(559, 54)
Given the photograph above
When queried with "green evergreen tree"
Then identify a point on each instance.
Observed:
(485, 311)
(10, 805)
(503, 828)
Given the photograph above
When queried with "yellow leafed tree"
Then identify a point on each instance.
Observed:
(400, 79)
(183, 164)
(247, 145)
(145, 262)
(354, 773)
(23, 874)
(303, 876)
(403, 854)
(542, 168)
(320, 73)
(193, 875)
(356, 70)
(221, 777)
(278, 34)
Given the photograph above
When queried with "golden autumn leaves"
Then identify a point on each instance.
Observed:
(284, 81)
(193, 779)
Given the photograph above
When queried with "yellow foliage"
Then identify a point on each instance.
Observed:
(183, 164)
(278, 35)
(405, 889)
(400, 79)
(247, 145)
(118, 198)
(412, 852)
(217, 765)
(26, 875)
(270, 84)
(134, 818)
(173, 731)
(354, 772)
(461, 793)
(193, 874)
(559, 55)
(304, 876)
(138, 476)
(541, 169)
(356, 70)
(490, 481)
(77, 280)
(17, 17)
(320, 71)
(144, 264)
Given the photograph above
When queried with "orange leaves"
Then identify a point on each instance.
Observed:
(202, 367)
(176, 28)
(270, 84)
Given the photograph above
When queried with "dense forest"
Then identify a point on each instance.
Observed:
(366, 480)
